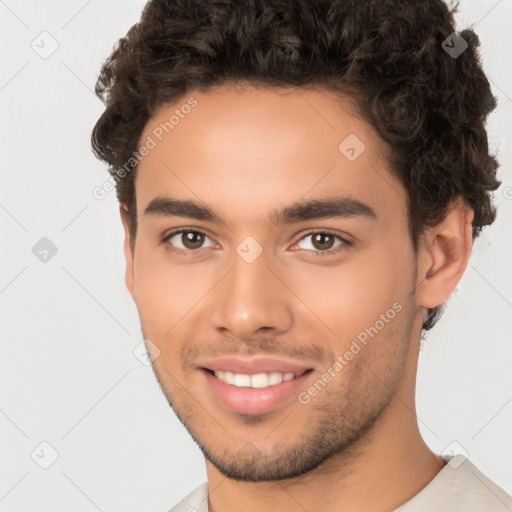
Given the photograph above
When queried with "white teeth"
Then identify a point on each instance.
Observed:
(258, 380)
(242, 381)
(275, 378)
(229, 377)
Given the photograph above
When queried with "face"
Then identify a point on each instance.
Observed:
(273, 273)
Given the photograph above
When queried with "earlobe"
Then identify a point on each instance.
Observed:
(127, 249)
(443, 256)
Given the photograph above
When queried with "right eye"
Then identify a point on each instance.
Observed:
(185, 242)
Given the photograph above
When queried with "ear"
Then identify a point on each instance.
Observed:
(127, 248)
(443, 255)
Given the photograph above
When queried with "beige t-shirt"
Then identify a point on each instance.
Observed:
(458, 487)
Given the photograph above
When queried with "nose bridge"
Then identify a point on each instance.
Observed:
(251, 297)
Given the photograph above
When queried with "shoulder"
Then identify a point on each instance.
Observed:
(460, 487)
(196, 501)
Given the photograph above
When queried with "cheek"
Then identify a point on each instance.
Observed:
(164, 292)
(351, 296)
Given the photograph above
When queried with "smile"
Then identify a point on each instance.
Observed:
(257, 392)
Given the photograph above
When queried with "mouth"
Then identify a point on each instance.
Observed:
(254, 386)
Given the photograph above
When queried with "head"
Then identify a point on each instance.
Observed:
(330, 162)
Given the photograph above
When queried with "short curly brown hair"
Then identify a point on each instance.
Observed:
(429, 106)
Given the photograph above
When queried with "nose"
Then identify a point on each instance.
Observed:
(252, 300)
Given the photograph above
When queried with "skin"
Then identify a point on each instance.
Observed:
(244, 152)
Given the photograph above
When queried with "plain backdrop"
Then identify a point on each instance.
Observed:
(74, 396)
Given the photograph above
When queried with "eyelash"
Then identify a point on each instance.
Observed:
(189, 253)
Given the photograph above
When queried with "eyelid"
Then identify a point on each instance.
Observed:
(342, 236)
(175, 231)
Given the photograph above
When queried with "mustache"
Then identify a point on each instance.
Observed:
(258, 346)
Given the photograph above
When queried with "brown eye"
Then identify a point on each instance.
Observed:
(322, 241)
(187, 241)
(192, 239)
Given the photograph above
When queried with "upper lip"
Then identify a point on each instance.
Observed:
(253, 365)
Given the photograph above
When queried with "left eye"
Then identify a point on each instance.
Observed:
(322, 241)
(190, 240)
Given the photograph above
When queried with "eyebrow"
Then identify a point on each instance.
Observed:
(328, 207)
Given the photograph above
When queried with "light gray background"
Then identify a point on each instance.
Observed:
(69, 328)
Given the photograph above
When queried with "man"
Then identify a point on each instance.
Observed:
(300, 185)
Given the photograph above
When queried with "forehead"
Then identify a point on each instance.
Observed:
(241, 149)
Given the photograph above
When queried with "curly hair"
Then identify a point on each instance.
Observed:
(388, 55)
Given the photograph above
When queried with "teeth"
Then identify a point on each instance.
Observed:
(258, 380)
(242, 381)
(275, 378)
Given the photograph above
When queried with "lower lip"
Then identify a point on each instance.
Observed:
(254, 400)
